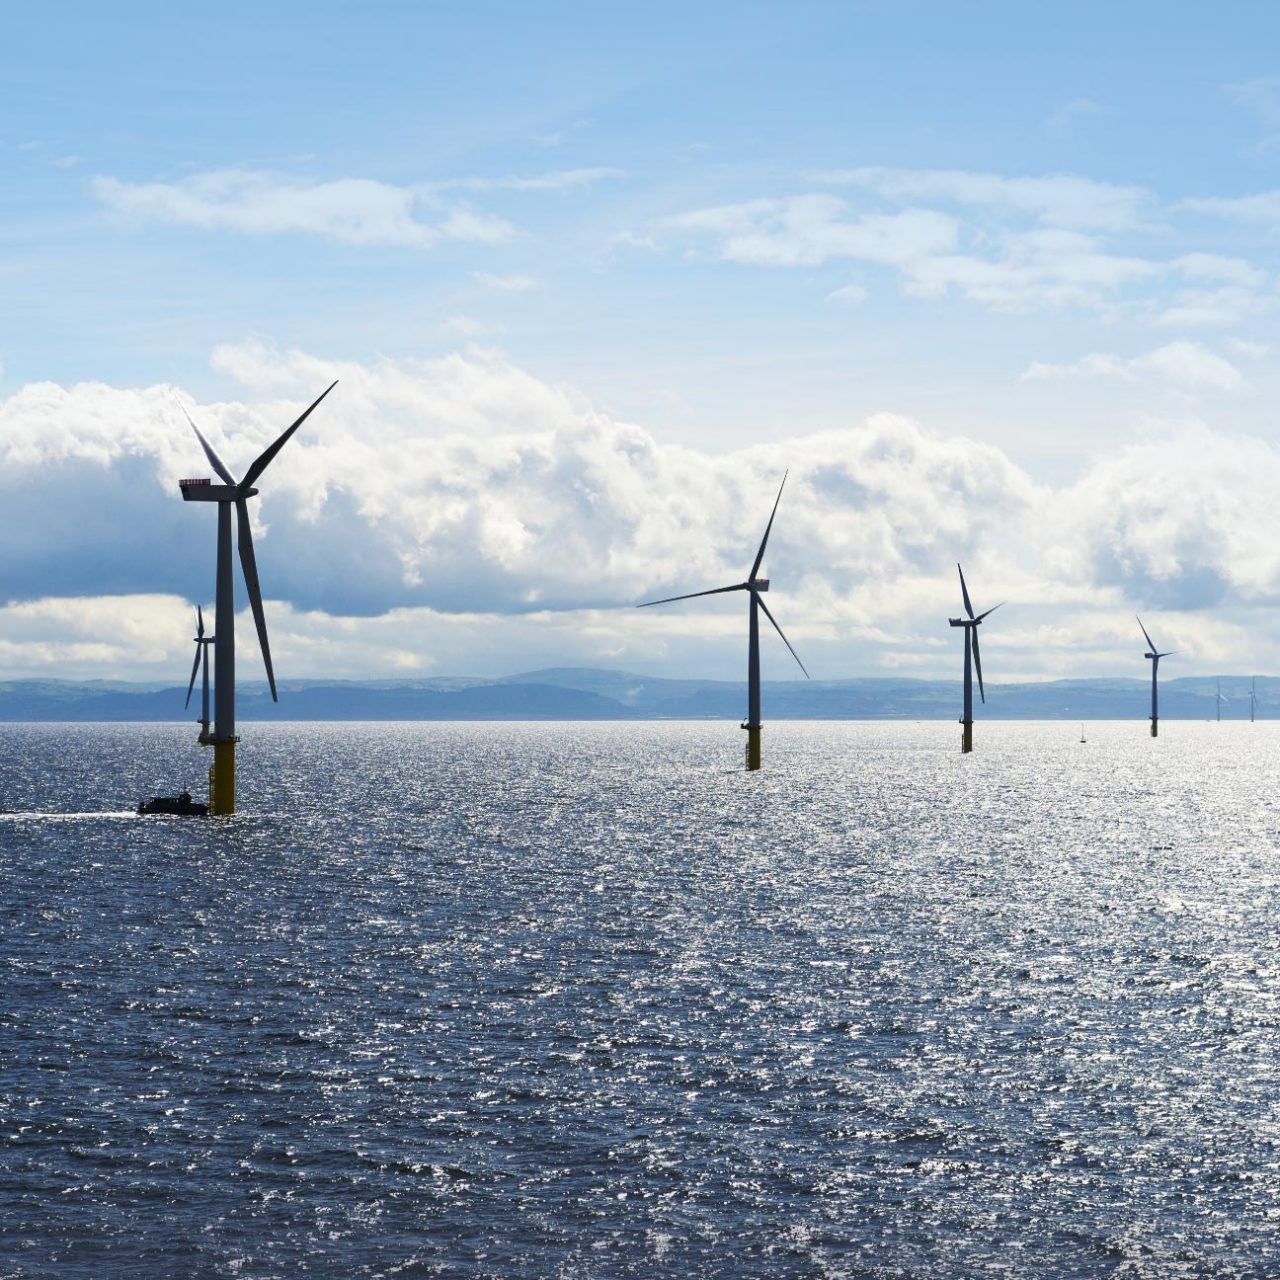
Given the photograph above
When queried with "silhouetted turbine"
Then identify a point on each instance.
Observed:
(972, 659)
(754, 586)
(1154, 658)
(234, 492)
(202, 652)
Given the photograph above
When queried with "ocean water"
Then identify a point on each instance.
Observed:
(588, 1000)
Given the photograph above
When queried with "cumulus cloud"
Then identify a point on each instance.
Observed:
(1181, 519)
(1184, 365)
(460, 514)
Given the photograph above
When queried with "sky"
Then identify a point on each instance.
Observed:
(991, 283)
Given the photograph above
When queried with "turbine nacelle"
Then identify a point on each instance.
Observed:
(204, 491)
(759, 584)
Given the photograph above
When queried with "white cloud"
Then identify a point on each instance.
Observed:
(1192, 367)
(1250, 350)
(460, 514)
(354, 210)
(1058, 200)
(1049, 268)
(557, 180)
(1213, 308)
(854, 294)
(1184, 365)
(1215, 267)
(1097, 364)
(1015, 244)
(464, 326)
(1262, 209)
(1183, 519)
(812, 229)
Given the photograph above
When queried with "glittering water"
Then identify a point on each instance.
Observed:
(586, 1000)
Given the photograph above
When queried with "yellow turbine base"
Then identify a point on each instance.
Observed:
(753, 748)
(222, 779)
(966, 737)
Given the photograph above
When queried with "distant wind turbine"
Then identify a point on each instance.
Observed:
(202, 652)
(1154, 658)
(972, 659)
(1253, 698)
(222, 777)
(755, 586)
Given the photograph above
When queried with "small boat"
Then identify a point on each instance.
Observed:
(182, 806)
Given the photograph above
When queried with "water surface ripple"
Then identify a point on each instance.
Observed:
(588, 1001)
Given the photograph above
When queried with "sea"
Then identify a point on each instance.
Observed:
(589, 1000)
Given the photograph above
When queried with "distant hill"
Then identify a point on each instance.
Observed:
(589, 693)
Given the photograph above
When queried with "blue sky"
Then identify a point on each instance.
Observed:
(998, 282)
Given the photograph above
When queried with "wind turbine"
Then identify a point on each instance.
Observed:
(202, 651)
(222, 777)
(972, 659)
(1253, 698)
(755, 587)
(1219, 699)
(1154, 657)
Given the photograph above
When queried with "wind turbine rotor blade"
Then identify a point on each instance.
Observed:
(778, 629)
(199, 622)
(1166, 655)
(263, 460)
(989, 612)
(1150, 643)
(764, 542)
(194, 668)
(964, 591)
(977, 666)
(209, 451)
(249, 564)
(693, 595)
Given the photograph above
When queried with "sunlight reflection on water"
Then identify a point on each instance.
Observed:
(526, 1000)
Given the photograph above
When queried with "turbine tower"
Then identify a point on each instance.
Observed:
(972, 659)
(755, 587)
(222, 777)
(202, 651)
(1154, 657)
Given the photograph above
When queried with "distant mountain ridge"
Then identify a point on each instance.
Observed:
(590, 693)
